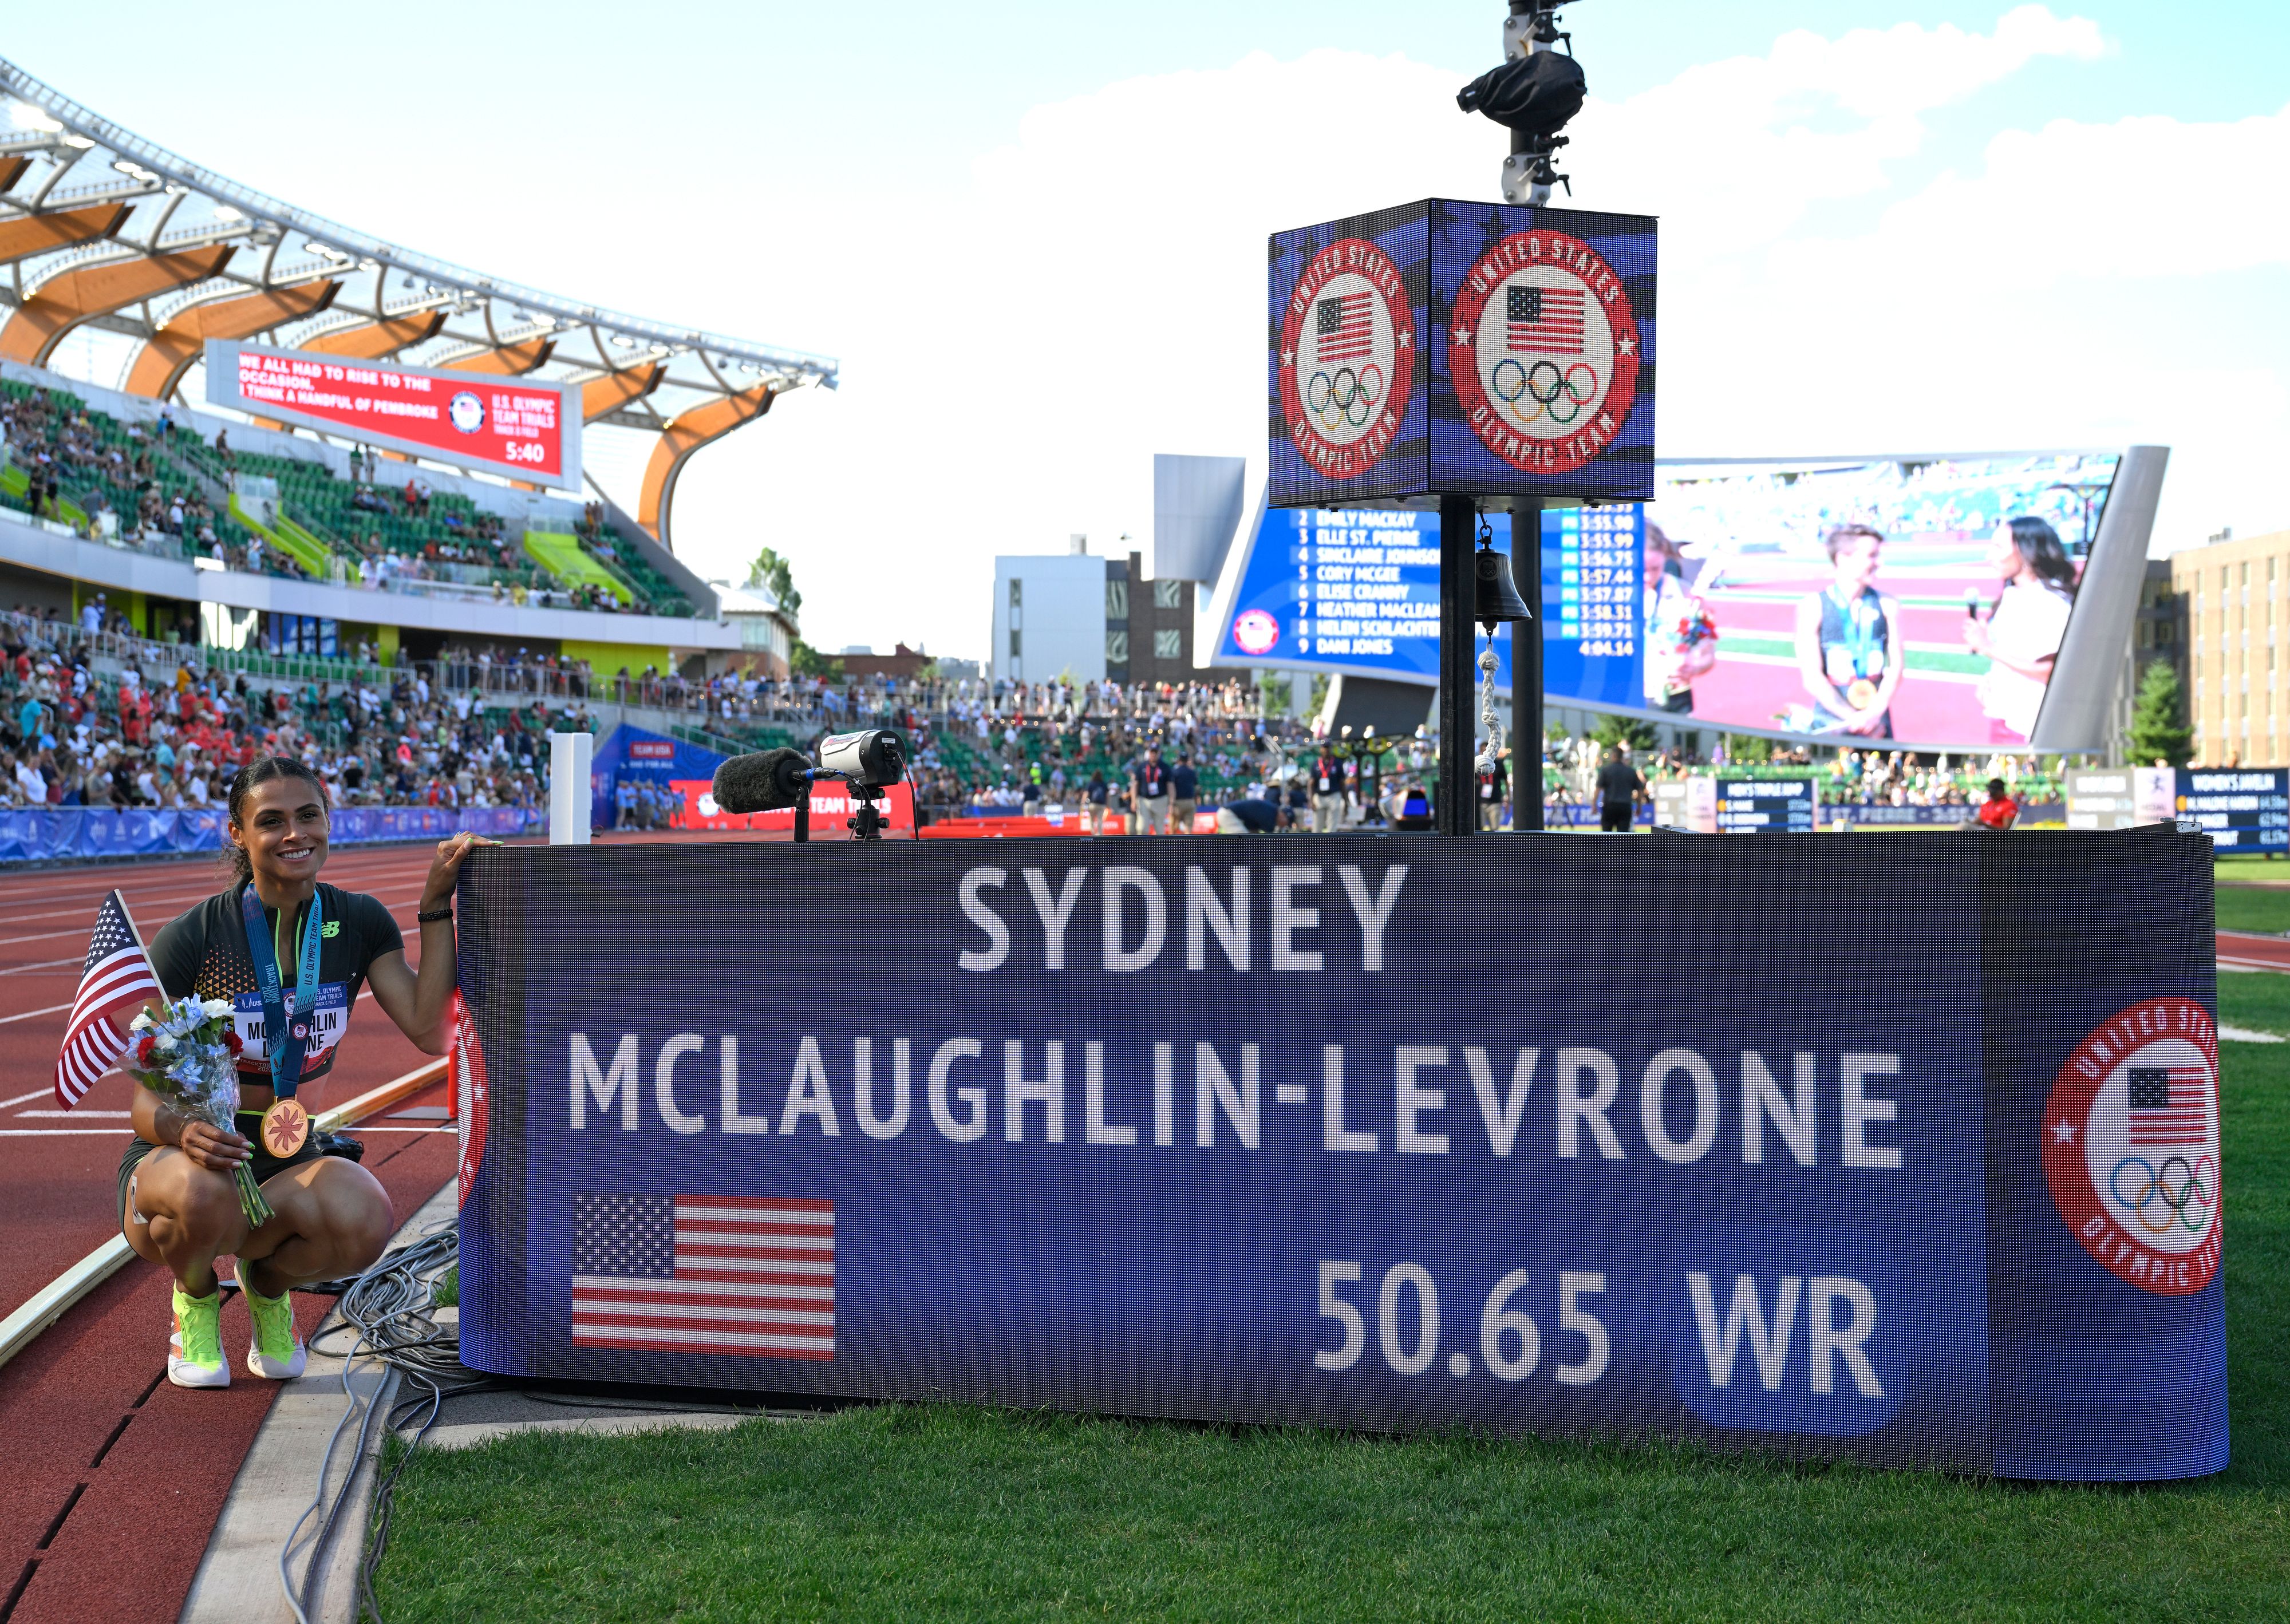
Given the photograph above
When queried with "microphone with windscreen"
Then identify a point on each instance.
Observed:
(768, 780)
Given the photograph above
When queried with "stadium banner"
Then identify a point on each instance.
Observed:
(1441, 347)
(634, 755)
(59, 834)
(1374, 1134)
(523, 429)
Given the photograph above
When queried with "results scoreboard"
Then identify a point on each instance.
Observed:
(2248, 808)
(1766, 805)
(1593, 589)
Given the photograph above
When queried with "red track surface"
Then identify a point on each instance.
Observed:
(111, 1480)
(2253, 952)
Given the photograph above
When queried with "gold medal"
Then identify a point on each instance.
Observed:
(1861, 694)
(284, 1126)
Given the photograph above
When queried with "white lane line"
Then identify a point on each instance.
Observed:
(134, 902)
(59, 1132)
(36, 1095)
(97, 1115)
(43, 963)
(27, 1014)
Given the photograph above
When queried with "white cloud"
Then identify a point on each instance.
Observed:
(1093, 293)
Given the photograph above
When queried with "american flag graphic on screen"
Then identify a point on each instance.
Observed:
(1347, 327)
(1543, 320)
(115, 982)
(704, 1274)
(2170, 1105)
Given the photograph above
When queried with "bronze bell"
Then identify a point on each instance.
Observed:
(1495, 599)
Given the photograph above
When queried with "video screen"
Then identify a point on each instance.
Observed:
(1916, 602)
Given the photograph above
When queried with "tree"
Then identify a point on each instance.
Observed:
(805, 661)
(775, 575)
(2158, 718)
(1612, 730)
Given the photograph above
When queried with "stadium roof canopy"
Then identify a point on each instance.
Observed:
(100, 226)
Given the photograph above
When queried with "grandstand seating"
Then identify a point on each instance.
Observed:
(325, 525)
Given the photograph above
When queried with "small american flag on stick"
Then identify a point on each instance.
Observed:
(704, 1274)
(2170, 1105)
(1544, 319)
(1346, 327)
(116, 980)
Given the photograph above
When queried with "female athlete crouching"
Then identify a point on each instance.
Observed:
(275, 941)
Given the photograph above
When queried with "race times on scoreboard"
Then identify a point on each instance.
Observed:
(1599, 578)
(1766, 805)
(2246, 808)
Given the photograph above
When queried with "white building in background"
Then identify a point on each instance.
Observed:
(767, 632)
(1049, 617)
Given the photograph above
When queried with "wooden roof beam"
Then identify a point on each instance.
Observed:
(378, 340)
(71, 297)
(683, 435)
(507, 361)
(602, 395)
(160, 364)
(39, 234)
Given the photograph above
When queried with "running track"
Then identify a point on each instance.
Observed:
(110, 1480)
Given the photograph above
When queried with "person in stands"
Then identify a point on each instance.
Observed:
(1999, 810)
(275, 927)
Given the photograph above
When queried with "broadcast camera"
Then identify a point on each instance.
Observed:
(769, 780)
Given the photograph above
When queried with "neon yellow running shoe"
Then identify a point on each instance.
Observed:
(277, 1353)
(195, 1352)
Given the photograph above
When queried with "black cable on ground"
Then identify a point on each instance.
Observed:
(390, 1309)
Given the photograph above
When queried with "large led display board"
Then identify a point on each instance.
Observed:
(1272, 1138)
(1889, 601)
(1462, 349)
(529, 431)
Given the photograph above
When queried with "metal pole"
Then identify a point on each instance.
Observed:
(1459, 801)
(1526, 668)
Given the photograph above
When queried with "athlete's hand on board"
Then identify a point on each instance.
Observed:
(447, 866)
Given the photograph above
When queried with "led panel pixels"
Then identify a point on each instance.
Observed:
(1446, 347)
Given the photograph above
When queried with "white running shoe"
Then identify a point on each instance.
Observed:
(195, 1349)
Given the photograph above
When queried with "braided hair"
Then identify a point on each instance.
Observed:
(257, 772)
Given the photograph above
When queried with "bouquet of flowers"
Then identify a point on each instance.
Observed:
(188, 1056)
(1694, 627)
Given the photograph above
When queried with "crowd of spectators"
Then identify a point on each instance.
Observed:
(1849, 777)
(79, 729)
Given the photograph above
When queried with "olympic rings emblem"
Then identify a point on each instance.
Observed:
(1335, 400)
(2175, 1193)
(1528, 384)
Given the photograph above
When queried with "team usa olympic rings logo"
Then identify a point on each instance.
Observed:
(1347, 397)
(1544, 350)
(2175, 1194)
(1346, 361)
(2130, 1145)
(1542, 390)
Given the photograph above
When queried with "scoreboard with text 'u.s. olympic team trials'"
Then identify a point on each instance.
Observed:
(526, 429)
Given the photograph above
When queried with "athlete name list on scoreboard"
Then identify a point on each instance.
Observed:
(1363, 583)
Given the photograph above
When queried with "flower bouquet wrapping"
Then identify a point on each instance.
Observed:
(188, 1056)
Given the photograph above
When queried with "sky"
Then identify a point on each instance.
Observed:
(1033, 232)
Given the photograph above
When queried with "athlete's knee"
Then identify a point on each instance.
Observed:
(362, 1225)
(200, 1211)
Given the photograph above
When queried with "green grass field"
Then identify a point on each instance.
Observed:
(950, 1512)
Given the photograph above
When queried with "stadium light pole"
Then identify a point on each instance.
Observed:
(1533, 94)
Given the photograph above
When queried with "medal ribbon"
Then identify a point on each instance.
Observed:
(286, 1041)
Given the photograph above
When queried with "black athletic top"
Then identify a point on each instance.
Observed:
(203, 952)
